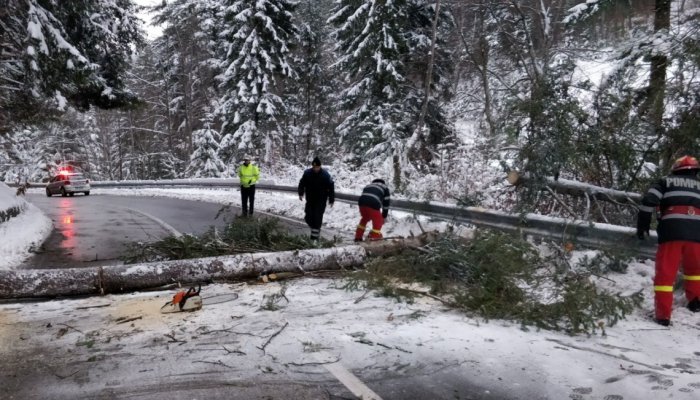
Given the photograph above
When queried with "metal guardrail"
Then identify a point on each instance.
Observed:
(583, 233)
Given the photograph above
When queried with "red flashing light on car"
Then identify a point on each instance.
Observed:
(65, 169)
(67, 183)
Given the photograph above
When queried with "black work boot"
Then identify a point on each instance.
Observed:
(694, 305)
(663, 322)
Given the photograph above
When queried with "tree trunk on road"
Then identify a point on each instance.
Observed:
(126, 278)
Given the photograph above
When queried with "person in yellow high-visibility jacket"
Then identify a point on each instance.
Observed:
(248, 175)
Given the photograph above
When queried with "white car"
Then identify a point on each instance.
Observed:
(68, 183)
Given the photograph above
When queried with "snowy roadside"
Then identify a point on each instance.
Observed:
(92, 352)
(9, 200)
(21, 233)
(244, 341)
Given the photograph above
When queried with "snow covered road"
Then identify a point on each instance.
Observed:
(284, 340)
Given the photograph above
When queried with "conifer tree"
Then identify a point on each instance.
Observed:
(431, 70)
(381, 48)
(256, 41)
(185, 55)
(53, 55)
(205, 162)
(311, 109)
(370, 44)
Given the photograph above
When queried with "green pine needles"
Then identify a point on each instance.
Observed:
(243, 235)
(501, 276)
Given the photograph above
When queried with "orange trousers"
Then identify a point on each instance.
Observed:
(369, 214)
(668, 258)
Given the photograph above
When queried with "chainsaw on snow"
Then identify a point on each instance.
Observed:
(189, 300)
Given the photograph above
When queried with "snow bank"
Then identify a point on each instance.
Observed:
(26, 229)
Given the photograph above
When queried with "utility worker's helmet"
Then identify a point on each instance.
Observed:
(685, 162)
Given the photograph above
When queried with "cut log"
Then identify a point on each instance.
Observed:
(125, 278)
(513, 177)
(49, 282)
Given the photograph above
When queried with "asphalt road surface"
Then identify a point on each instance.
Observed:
(96, 229)
(122, 347)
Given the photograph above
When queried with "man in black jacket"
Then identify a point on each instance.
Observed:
(319, 188)
(678, 198)
(375, 197)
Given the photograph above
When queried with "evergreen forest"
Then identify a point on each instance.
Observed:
(605, 92)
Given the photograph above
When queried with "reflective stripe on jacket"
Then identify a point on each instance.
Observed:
(376, 196)
(249, 173)
(677, 196)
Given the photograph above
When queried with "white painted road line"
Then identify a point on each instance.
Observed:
(159, 221)
(353, 383)
(342, 374)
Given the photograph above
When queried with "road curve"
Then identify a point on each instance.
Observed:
(96, 229)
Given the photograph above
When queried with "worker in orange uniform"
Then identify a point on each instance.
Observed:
(375, 197)
(678, 198)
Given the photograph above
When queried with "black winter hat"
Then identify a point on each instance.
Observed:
(379, 181)
(316, 162)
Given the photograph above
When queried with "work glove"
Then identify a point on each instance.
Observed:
(643, 223)
(385, 213)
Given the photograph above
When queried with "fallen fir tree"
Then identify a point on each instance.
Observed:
(493, 275)
(246, 249)
(501, 276)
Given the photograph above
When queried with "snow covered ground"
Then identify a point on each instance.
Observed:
(80, 348)
(92, 352)
(20, 234)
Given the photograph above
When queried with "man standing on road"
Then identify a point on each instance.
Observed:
(317, 184)
(375, 197)
(248, 175)
(678, 199)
